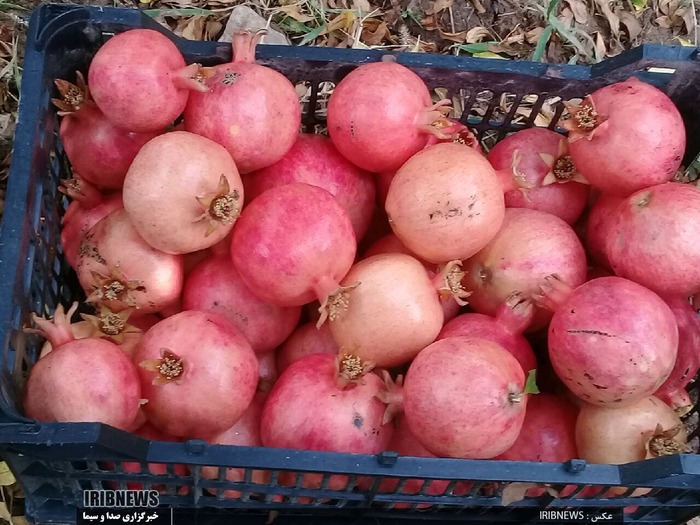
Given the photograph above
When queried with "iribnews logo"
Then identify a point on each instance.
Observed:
(120, 498)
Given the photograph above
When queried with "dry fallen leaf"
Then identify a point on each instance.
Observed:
(612, 18)
(515, 492)
(375, 32)
(294, 11)
(458, 38)
(631, 23)
(579, 9)
(664, 21)
(439, 6)
(534, 35)
(477, 34)
(362, 5)
(600, 48)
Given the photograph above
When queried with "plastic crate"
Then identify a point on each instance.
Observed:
(56, 462)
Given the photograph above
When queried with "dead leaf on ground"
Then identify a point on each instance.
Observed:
(610, 16)
(579, 10)
(600, 48)
(515, 492)
(458, 38)
(198, 27)
(534, 35)
(375, 32)
(294, 11)
(634, 28)
(477, 34)
(439, 6)
(362, 5)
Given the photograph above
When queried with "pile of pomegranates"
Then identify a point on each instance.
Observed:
(386, 287)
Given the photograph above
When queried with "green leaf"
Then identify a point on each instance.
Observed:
(542, 44)
(639, 5)
(313, 34)
(480, 47)
(176, 12)
(489, 54)
(552, 6)
(531, 384)
(294, 26)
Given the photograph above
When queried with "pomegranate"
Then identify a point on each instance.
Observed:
(381, 114)
(346, 415)
(625, 137)
(687, 364)
(548, 435)
(550, 181)
(465, 398)
(505, 329)
(151, 433)
(140, 91)
(244, 433)
(251, 110)
(600, 224)
(87, 209)
(97, 149)
(118, 269)
(81, 380)
(611, 341)
(306, 340)
(530, 245)
(314, 160)
(406, 444)
(394, 310)
(614, 435)
(214, 284)
(118, 327)
(390, 243)
(445, 203)
(654, 226)
(198, 373)
(267, 371)
(302, 238)
(453, 131)
(183, 192)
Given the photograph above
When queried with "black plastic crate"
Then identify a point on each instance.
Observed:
(56, 462)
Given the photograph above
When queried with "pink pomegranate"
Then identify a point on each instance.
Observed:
(652, 228)
(306, 340)
(687, 364)
(505, 329)
(611, 341)
(406, 444)
(86, 210)
(381, 114)
(601, 220)
(302, 238)
(465, 398)
(198, 373)
(251, 110)
(81, 380)
(394, 310)
(445, 203)
(97, 149)
(244, 433)
(530, 245)
(347, 416)
(625, 137)
(183, 192)
(118, 269)
(314, 160)
(141, 91)
(615, 435)
(390, 243)
(548, 435)
(450, 131)
(214, 284)
(151, 433)
(121, 328)
(550, 181)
